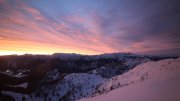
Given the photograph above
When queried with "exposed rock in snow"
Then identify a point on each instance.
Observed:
(24, 85)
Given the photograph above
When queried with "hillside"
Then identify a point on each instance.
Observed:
(67, 77)
(151, 81)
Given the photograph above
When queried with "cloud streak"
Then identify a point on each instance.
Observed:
(89, 27)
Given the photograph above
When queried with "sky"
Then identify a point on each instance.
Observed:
(89, 26)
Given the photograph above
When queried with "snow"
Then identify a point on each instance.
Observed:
(74, 86)
(78, 85)
(10, 73)
(20, 73)
(24, 85)
(143, 82)
(16, 96)
(152, 81)
(7, 72)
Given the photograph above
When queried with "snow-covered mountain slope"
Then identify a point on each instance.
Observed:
(117, 68)
(152, 81)
(67, 77)
(72, 87)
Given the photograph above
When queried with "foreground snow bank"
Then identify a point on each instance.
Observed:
(152, 81)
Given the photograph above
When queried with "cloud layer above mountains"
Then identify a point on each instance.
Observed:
(90, 26)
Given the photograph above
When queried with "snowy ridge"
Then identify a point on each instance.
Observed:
(139, 73)
(161, 82)
(72, 87)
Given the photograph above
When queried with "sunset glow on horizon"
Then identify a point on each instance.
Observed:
(89, 27)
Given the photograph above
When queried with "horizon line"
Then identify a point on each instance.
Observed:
(47, 54)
